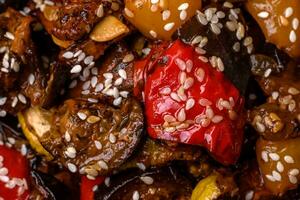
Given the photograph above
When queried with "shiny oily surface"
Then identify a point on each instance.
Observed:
(279, 164)
(279, 21)
(159, 19)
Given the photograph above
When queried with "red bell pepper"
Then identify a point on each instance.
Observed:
(87, 186)
(189, 101)
(14, 173)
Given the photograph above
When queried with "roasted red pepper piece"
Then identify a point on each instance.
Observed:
(189, 101)
(87, 186)
(13, 175)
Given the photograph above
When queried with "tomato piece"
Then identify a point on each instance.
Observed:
(87, 186)
(159, 19)
(279, 22)
(189, 101)
(14, 173)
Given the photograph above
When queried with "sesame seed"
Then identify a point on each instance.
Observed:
(204, 102)
(2, 100)
(72, 167)
(264, 156)
(202, 19)
(100, 11)
(169, 26)
(128, 58)
(267, 72)
(188, 83)
(98, 144)
(270, 178)
(216, 119)
(288, 159)
(220, 14)
(240, 33)
(108, 75)
(169, 118)
(196, 40)
(183, 15)
(275, 95)
(183, 6)
(293, 36)
(274, 156)
(14, 102)
(67, 136)
(31, 79)
(293, 91)
(288, 12)
(220, 64)
(175, 97)
(122, 73)
(295, 23)
(22, 98)
(81, 57)
(124, 94)
(165, 91)
(82, 115)
(88, 60)
(263, 14)
(165, 15)
(99, 87)
(9, 35)
(112, 138)
(128, 12)
(200, 50)
(279, 166)
(94, 80)
(294, 172)
(68, 55)
(200, 73)
(141, 166)
(86, 85)
(92, 100)
(117, 101)
(77, 53)
(203, 42)
(181, 116)
(249, 195)
(102, 164)
(232, 26)
(70, 152)
(4, 179)
(215, 29)
(3, 171)
(293, 179)
(276, 175)
(154, 1)
(180, 63)
(189, 104)
(76, 69)
(228, 4)
(147, 180)
(153, 33)
(107, 181)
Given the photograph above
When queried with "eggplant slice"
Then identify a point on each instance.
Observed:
(156, 184)
(93, 138)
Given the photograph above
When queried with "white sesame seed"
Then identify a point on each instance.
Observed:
(81, 57)
(181, 116)
(165, 91)
(293, 179)
(204, 102)
(70, 152)
(92, 100)
(86, 85)
(98, 144)
(220, 64)
(67, 136)
(94, 80)
(249, 195)
(22, 98)
(288, 12)
(175, 97)
(76, 69)
(147, 180)
(275, 95)
(3, 171)
(188, 83)
(107, 181)
(169, 26)
(267, 72)
(189, 104)
(99, 87)
(295, 23)
(128, 12)
(88, 60)
(264, 156)
(274, 156)
(270, 178)
(263, 14)
(203, 42)
(100, 11)
(180, 63)
(216, 119)
(136, 195)
(154, 8)
(293, 36)
(14, 102)
(183, 6)
(293, 91)
(154, 1)
(117, 101)
(288, 159)
(228, 4)
(294, 172)
(279, 166)
(9, 35)
(122, 73)
(72, 167)
(112, 138)
(215, 29)
(183, 15)
(276, 175)
(82, 115)
(102, 164)
(128, 58)
(77, 53)
(68, 55)
(240, 33)
(153, 33)
(196, 40)
(31, 79)
(2, 100)
(4, 179)
(165, 15)
(202, 19)
(124, 94)
(108, 75)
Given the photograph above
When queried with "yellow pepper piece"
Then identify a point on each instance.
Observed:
(206, 189)
(33, 139)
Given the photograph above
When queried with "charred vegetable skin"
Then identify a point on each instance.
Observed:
(190, 102)
(164, 183)
(90, 138)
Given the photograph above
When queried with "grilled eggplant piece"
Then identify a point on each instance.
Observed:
(111, 80)
(92, 138)
(165, 183)
(71, 20)
(156, 153)
(221, 36)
